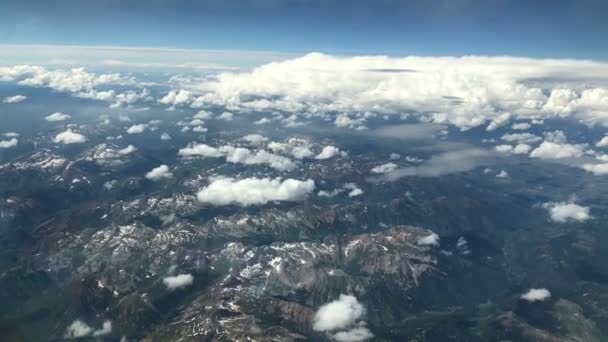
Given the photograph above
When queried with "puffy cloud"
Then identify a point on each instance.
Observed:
(254, 191)
(464, 91)
(226, 116)
(127, 150)
(597, 169)
(57, 117)
(255, 138)
(137, 129)
(69, 137)
(356, 334)
(338, 314)
(499, 121)
(202, 114)
(522, 138)
(384, 168)
(159, 173)
(343, 120)
(429, 240)
(77, 329)
(11, 134)
(178, 281)
(502, 174)
(520, 126)
(202, 150)
(14, 99)
(567, 211)
(603, 142)
(177, 98)
(165, 137)
(394, 156)
(329, 152)
(535, 295)
(518, 149)
(262, 121)
(199, 129)
(8, 143)
(555, 150)
(355, 192)
(240, 155)
(105, 329)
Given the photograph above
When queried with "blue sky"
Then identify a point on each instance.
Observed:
(558, 28)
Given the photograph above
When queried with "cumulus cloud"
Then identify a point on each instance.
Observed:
(254, 191)
(178, 281)
(255, 138)
(384, 168)
(465, 91)
(158, 173)
(177, 98)
(429, 240)
(8, 143)
(567, 211)
(165, 137)
(329, 152)
(600, 169)
(199, 129)
(14, 99)
(202, 150)
(520, 126)
(239, 155)
(338, 314)
(536, 295)
(57, 117)
(137, 129)
(603, 142)
(77, 329)
(226, 116)
(342, 319)
(502, 174)
(555, 150)
(69, 137)
(127, 150)
(105, 329)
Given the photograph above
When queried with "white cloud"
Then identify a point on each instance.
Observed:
(159, 173)
(597, 169)
(202, 115)
(603, 142)
(522, 138)
(502, 174)
(394, 156)
(14, 99)
(202, 150)
(520, 126)
(8, 143)
(355, 334)
(329, 152)
(180, 280)
(177, 98)
(464, 91)
(77, 329)
(240, 155)
(105, 329)
(339, 314)
(384, 168)
(564, 212)
(11, 134)
(137, 129)
(69, 137)
(262, 121)
(555, 150)
(255, 191)
(522, 149)
(165, 137)
(57, 117)
(199, 129)
(355, 192)
(343, 120)
(255, 138)
(534, 295)
(127, 150)
(429, 240)
(499, 121)
(226, 116)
